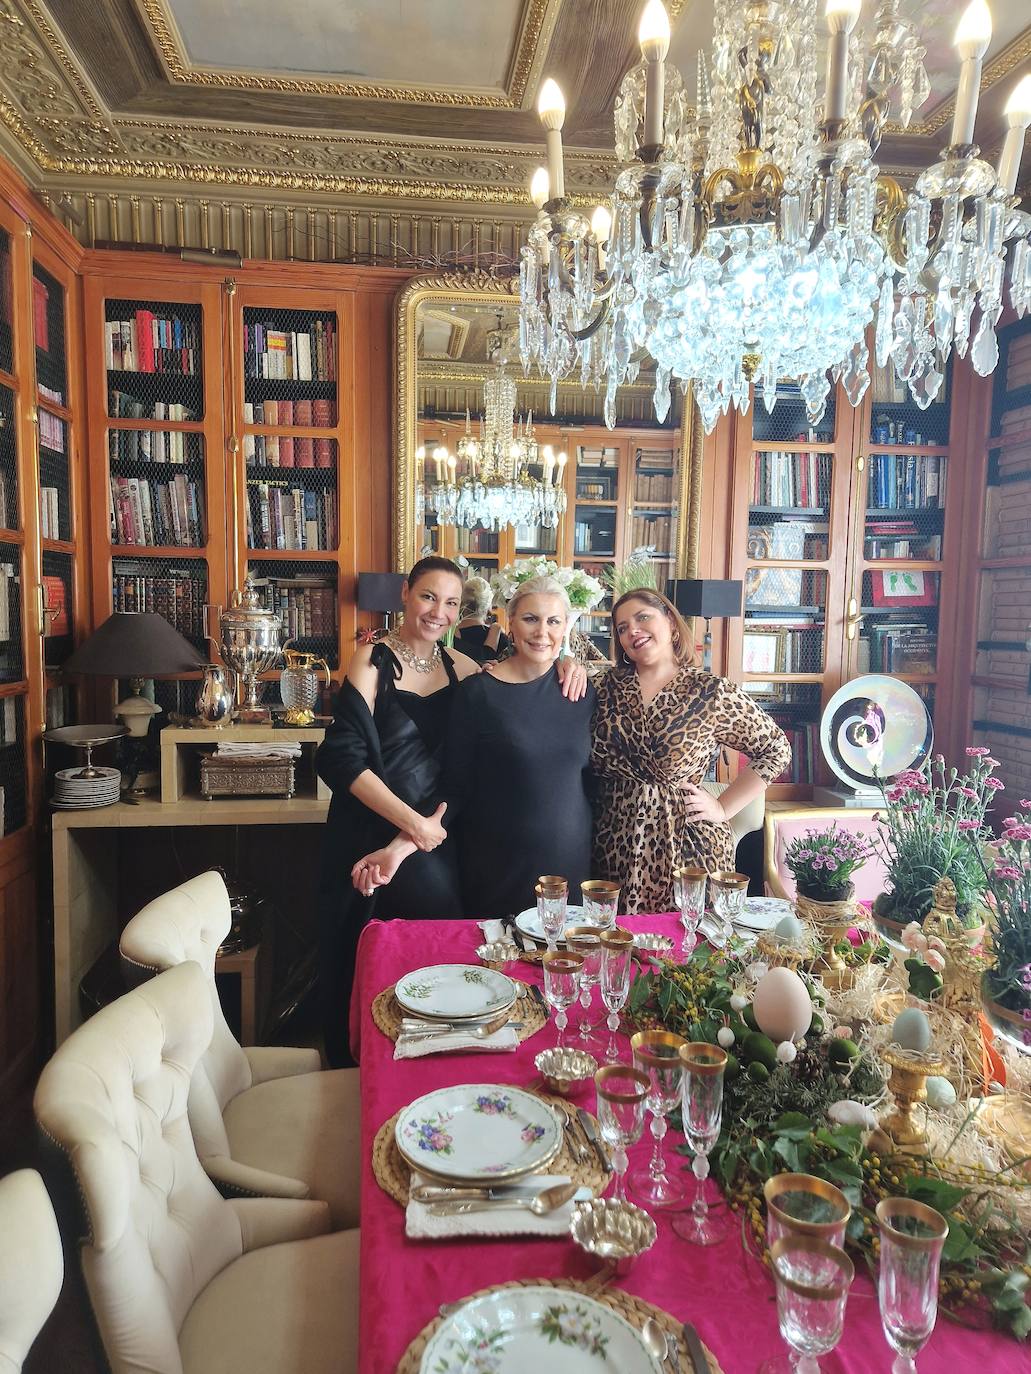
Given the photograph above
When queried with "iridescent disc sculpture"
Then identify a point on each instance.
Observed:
(874, 727)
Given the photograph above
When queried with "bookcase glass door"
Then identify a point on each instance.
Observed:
(6, 302)
(652, 504)
(8, 461)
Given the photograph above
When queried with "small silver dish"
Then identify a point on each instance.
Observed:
(612, 1232)
(661, 946)
(498, 953)
(560, 1068)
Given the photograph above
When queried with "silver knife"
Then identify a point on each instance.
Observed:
(590, 1130)
(539, 998)
(457, 1208)
(695, 1352)
(429, 1192)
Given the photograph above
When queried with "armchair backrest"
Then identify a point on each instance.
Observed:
(114, 1100)
(784, 826)
(189, 923)
(31, 1264)
(748, 819)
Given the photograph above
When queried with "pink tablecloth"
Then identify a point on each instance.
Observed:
(722, 1290)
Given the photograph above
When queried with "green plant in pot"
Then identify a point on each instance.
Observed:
(1007, 984)
(822, 863)
(932, 827)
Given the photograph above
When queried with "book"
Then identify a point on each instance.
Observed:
(55, 600)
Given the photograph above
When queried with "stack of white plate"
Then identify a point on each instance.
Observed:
(75, 793)
(458, 993)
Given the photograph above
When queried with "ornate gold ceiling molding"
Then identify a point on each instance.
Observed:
(536, 25)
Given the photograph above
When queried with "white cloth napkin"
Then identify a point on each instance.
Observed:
(495, 930)
(498, 1221)
(447, 1042)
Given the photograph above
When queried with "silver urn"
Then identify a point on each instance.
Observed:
(250, 638)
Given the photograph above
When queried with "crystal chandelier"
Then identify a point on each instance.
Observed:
(494, 485)
(752, 237)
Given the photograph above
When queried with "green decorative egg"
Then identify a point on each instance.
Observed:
(912, 1030)
(940, 1093)
(789, 929)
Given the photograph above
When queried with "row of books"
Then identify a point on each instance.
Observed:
(50, 512)
(282, 517)
(307, 606)
(292, 354)
(147, 342)
(51, 431)
(653, 487)
(652, 531)
(802, 736)
(1018, 362)
(154, 446)
(783, 645)
(659, 458)
(157, 513)
(886, 430)
(8, 502)
(178, 595)
(901, 647)
(478, 540)
(589, 537)
(900, 539)
(9, 722)
(1016, 419)
(799, 480)
(587, 489)
(288, 451)
(40, 313)
(900, 481)
(317, 412)
(59, 707)
(122, 406)
(10, 584)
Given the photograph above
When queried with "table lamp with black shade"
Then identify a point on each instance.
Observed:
(709, 598)
(380, 594)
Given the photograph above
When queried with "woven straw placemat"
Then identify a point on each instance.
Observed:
(387, 1014)
(633, 1310)
(393, 1174)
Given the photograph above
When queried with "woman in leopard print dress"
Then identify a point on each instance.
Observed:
(658, 725)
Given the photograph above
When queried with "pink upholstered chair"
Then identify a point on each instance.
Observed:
(784, 826)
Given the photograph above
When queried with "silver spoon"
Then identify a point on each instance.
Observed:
(474, 1032)
(547, 1201)
(657, 1343)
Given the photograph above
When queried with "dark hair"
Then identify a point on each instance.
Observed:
(432, 564)
(683, 640)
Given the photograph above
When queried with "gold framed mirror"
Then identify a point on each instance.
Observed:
(635, 486)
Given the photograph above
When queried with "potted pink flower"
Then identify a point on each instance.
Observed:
(1007, 984)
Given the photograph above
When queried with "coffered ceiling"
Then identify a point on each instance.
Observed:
(410, 101)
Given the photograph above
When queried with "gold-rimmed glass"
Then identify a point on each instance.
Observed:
(561, 984)
(727, 892)
(586, 941)
(551, 908)
(802, 1205)
(621, 1093)
(600, 903)
(689, 895)
(912, 1236)
(702, 1066)
(617, 947)
(812, 1280)
(657, 1053)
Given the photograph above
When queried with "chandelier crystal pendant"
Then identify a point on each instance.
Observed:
(752, 237)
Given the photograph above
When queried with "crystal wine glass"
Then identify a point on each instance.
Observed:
(728, 897)
(561, 984)
(551, 896)
(702, 1066)
(586, 941)
(657, 1054)
(621, 1096)
(912, 1236)
(802, 1205)
(812, 1279)
(689, 895)
(600, 900)
(616, 957)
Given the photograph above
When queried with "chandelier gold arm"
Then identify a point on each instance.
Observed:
(596, 323)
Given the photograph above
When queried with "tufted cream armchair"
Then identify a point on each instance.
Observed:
(181, 1280)
(748, 819)
(265, 1120)
(31, 1264)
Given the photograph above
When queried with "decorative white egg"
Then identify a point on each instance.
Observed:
(848, 1112)
(788, 929)
(782, 1006)
(912, 1030)
(738, 1002)
(726, 1037)
(786, 1052)
(940, 1093)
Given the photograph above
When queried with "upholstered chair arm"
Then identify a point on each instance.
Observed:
(280, 1061)
(271, 1221)
(229, 1176)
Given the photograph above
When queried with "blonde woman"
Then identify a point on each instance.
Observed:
(473, 635)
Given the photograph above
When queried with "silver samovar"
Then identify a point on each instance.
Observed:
(250, 636)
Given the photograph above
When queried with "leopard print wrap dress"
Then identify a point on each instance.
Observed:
(640, 757)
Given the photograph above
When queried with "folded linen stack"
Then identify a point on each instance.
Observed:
(240, 750)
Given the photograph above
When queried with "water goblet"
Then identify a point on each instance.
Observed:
(912, 1236)
(586, 941)
(812, 1280)
(561, 984)
(621, 1097)
(657, 1054)
(702, 1066)
(802, 1205)
(616, 959)
(600, 900)
(728, 897)
(551, 910)
(689, 895)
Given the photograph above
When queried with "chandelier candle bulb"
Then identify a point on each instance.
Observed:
(841, 20)
(1018, 117)
(653, 36)
(540, 187)
(973, 34)
(551, 109)
(601, 225)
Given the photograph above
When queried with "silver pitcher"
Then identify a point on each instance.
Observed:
(250, 636)
(215, 698)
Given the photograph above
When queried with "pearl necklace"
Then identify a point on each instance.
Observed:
(408, 655)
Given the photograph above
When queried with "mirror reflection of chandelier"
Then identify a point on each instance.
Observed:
(489, 481)
(753, 236)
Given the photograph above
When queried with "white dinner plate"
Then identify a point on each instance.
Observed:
(528, 922)
(763, 913)
(455, 992)
(478, 1133)
(511, 1330)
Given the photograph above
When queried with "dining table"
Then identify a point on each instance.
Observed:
(724, 1290)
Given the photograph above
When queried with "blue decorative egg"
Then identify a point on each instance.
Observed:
(789, 929)
(912, 1030)
(940, 1093)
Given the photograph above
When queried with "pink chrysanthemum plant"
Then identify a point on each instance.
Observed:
(1009, 980)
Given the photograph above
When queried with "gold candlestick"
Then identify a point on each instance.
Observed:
(910, 1070)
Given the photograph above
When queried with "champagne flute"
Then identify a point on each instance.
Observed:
(728, 897)
(600, 901)
(551, 896)
(561, 984)
(702, 1065)
(586, 941)
(912, 1236)
(689, 895)
(621, 1096)
(802, 1205)
(812, 1279)
(616, 959)
(657, 1054)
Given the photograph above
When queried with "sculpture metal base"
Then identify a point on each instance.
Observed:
(253, 715)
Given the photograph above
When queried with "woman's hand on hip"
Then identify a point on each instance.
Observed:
(701, 805)
(573, 677)
(427, 831)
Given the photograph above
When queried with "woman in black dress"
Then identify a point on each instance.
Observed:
(515, 770)
(482, 642)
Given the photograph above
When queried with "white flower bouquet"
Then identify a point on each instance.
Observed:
(584, 591)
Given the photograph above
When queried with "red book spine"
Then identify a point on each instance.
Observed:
(145, 340)
(302, 413)
(286, 451)
(304, 452)
(321, 412)
(323, 453)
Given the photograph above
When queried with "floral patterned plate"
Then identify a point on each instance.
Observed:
(455, 992)
(515, 1329)
(528, 922)
(478, 1133)
(763, 913)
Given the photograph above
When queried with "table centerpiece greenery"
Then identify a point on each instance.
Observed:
(1008, 980)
